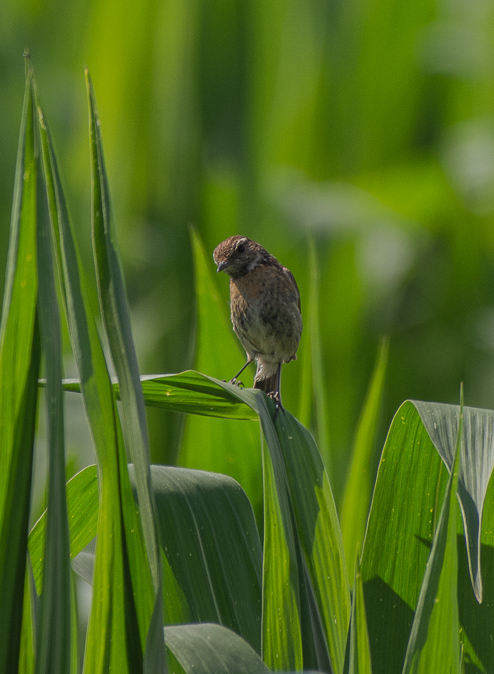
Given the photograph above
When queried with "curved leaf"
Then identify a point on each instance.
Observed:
(19, 371)
(477, 462)
(208, 648)
(434, 644)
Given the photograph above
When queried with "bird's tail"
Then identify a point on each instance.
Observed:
(267, 385)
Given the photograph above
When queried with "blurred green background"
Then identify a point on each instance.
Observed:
(368, 124)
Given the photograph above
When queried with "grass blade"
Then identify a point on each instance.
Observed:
(358, 660)
(19, 371)
(116, 318)
(54, 627)
(113, 618)
(82, 513)
(360, 482)
(313, 392)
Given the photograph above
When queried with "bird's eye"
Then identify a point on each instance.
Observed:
(241, 248)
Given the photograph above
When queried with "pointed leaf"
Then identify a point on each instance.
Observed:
(19, 371)
(54, 629)
(115, 313)
(434, 643)
(114, 612)
(476, 467)
(358, 657)
(360, 481)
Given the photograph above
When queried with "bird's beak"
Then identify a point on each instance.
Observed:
(223, 265)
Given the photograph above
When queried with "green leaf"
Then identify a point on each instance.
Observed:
(115, 313)
(360, 481)
(434, 644)
(306, 551)
(54, 628)
(296, 484)
(212, 553)
(223, 446)
(313, 390)
(113, 618)
(82, 509)
(282, 647)
(208, 648)
(19, 371)
(399, 534)
(187, 392)
(476, 466)
(402, 522)
(358, 657)
(318, 533)
(213, 559)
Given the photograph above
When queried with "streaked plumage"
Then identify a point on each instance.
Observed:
(265, 309)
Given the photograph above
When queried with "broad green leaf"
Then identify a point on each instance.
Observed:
(115, 313)
(358, 656)
(434, 644)
(210, 648)
(295, 481)
(409, 486)
(223, 446)
(477, 462)
(19, 371)
(113, 619)
(318, 532)
(82, 509)
(212, 552)
(187, 392)
(212, 561)
(405, 508)
(282, 647)
(360, 481)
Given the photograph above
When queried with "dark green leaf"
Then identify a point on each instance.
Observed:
(54, 629)
(19, 371)
(115, 313)
(212, 649)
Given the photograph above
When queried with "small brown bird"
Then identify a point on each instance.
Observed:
(265, 309)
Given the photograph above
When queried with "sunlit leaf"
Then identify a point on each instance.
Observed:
(360, 481)
(207, 648)
(434, 643)
(19, 371)
(115, 313)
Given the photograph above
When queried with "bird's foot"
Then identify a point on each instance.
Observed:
(236, 382)
(275, 396)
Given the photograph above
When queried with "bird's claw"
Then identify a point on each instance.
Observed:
(276, 398)
(236, 382)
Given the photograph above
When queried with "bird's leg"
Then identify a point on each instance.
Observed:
(235, 378)
(276, 395)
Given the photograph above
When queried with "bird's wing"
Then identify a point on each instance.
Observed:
(291, 278)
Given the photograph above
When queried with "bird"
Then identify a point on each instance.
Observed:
(264, 308)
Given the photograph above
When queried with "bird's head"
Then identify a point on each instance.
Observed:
(238, 255)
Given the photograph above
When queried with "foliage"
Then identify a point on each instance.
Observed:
(180, 548)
